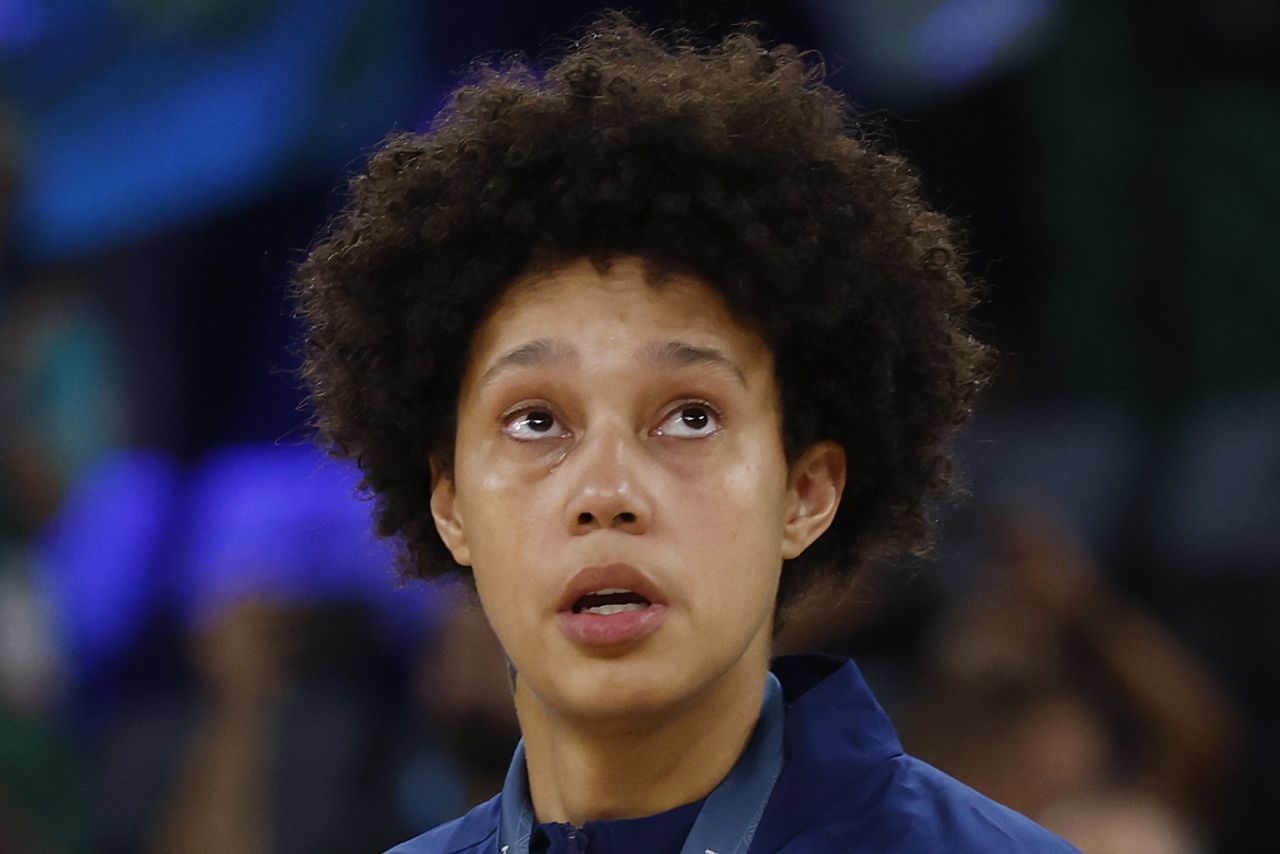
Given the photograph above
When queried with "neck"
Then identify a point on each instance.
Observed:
(582, 771)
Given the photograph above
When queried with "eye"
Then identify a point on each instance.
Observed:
(533, 424)
(690, 420)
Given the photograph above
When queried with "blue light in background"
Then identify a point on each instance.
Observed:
(903, 49)
(20, 24)
(100, 556)
(131, 130)
(283, 524)
(963, 39)
(137, 538)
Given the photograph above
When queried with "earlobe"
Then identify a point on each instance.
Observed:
(815, 486)
(448, 519)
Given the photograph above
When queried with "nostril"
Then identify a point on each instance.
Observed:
(627, 517)
(584, 518)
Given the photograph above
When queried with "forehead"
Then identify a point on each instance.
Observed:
(627, 302)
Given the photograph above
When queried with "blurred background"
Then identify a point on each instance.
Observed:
(202, 647)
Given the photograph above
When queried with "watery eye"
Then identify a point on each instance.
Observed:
(532, 424)
(539, 422)
(693, 419)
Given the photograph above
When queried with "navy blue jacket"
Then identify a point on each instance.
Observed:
(846, 786)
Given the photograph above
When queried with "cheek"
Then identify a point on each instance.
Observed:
(733, 520)
(495, 490)
(500, 515)
(755, 486)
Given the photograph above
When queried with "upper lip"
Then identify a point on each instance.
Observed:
(622, 576)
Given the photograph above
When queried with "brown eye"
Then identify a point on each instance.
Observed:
(530, 425)
(691, 420)
(694, 418)
(539, 422)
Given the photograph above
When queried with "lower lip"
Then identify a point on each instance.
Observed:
(603, 630)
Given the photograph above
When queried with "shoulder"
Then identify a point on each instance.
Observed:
(848, 786)
(922, 809)
(905, 806)
(472, 832)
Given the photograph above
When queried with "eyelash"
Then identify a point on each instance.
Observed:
(509, 417)
(694, 403)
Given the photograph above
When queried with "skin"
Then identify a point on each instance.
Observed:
(588, 449)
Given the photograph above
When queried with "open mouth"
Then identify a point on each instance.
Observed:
(611, 606)
(613, 600)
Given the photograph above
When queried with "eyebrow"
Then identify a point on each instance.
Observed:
(548, 351)
(682, 354)
(540, 351)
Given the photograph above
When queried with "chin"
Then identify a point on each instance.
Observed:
(622, 687)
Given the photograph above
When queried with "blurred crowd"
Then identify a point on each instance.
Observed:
(203, 648)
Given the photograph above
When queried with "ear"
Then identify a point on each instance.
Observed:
(814, 488)
(444, 510)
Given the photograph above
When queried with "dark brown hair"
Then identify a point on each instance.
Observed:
(734, 163)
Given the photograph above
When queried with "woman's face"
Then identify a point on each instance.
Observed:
(620, 489)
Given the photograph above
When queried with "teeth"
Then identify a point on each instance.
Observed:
(609, 590)
(606, 610)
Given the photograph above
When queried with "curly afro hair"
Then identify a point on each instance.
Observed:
(732, 162)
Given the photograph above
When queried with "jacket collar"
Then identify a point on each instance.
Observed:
(836, 734)
(729, 816)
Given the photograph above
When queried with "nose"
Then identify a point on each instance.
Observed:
(608, 490)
